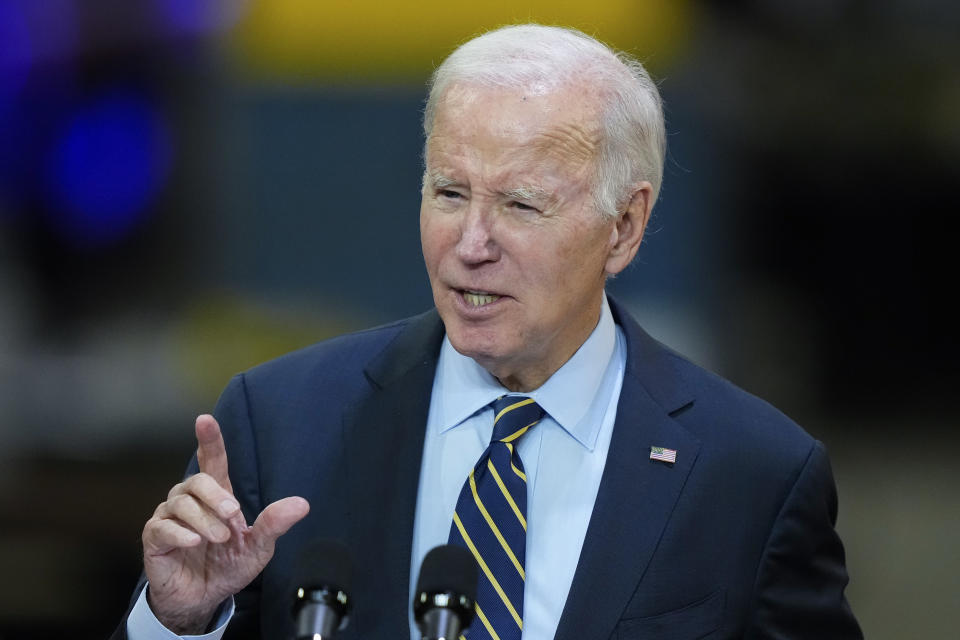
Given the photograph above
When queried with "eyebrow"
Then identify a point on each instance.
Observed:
(527, 193)
(438, 180)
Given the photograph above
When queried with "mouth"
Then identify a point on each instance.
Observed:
(478, 298)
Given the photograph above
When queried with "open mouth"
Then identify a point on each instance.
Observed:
(479, 298)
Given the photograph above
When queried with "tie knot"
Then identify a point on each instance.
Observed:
(513, 415)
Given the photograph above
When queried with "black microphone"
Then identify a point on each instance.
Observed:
(321, 584)
(446, 591)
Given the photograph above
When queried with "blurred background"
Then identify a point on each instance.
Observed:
(190, 187)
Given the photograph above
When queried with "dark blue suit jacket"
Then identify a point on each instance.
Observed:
(734, 540)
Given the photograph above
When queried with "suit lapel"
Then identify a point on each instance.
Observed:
(636, 495)
(384, 444)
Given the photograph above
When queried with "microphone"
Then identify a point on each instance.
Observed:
(446, 591)
(321, 584)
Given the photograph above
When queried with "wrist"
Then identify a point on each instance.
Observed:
(192, 621)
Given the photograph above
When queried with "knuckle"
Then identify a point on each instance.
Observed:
(152, 530)
(159, 511)
(202, 483)
(190, 483)
(176, 490)
(180, 503)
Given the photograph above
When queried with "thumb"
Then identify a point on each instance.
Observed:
(276, 520)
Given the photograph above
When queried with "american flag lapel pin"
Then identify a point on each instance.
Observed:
(663, 454)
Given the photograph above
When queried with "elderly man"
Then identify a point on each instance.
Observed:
(607, 487)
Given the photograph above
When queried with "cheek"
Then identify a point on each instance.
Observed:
(424, 224)
(436, 239)
(582, 255)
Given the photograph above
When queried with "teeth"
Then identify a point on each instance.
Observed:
(479, 298)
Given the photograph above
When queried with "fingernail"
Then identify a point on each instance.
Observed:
(228, 507)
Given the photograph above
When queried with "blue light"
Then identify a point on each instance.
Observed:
(201, 16)
(16, 51)
(106, 168)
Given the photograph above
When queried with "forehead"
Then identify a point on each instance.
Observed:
(514, 130)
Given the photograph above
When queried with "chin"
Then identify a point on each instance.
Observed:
(471, 346)
(485, 349)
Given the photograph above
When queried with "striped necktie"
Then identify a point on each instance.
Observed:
(491, 521)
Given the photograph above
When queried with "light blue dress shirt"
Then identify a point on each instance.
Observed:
(563, 456)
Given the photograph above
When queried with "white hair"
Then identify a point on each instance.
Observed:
(541, 58)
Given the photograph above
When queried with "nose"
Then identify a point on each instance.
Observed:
(476, 244)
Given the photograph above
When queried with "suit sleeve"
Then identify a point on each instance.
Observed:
(802, 575)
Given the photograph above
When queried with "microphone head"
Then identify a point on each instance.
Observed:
(324, 576)
(448, 580)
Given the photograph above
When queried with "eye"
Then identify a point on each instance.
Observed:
(521, 206)
(449, 194)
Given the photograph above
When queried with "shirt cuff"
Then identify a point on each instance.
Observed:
(142, 624)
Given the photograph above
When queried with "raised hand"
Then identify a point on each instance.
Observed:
(197, 547)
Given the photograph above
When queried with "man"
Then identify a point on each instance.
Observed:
(662, 501)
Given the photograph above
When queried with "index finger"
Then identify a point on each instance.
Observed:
(211, 451)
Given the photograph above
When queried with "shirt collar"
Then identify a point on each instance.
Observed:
(567, 396)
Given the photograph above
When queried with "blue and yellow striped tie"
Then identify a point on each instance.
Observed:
(491, 521)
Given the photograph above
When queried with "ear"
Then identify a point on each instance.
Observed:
(627, 232)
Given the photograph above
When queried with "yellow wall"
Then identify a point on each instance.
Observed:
(377, 40)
